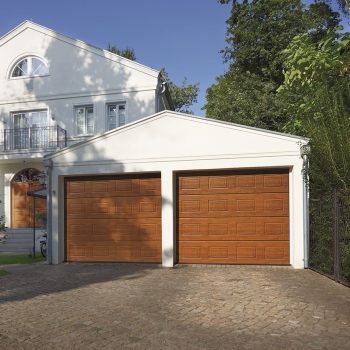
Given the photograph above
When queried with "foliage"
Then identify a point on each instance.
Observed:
(128, 52)
(41, 216)
(3, 235)
(319, 75)
(257, 33)
(184, 95)
(245, 99)
(19, 259)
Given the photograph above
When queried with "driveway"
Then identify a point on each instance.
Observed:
(101, 306)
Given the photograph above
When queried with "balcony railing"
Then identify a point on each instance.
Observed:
(33, 138)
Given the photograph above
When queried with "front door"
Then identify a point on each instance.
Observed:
(22, 204)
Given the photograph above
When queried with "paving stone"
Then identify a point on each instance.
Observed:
(117, 306)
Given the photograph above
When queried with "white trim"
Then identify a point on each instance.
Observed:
(83, 105)
(116, 102)
(78, 43)
(28, 57)
(72, 95)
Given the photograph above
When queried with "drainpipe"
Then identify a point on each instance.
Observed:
(162, 89)
(305, 151)
(48, 168)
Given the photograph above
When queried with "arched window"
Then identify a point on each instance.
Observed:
(30, 66)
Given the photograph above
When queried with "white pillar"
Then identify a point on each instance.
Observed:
(54, 234)
(298, 217)
(167, 218)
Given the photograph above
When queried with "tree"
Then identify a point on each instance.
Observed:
(184, 95)
(128, 52)
(257, 33)
(319, 74)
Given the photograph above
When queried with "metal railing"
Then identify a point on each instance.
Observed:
(330, 235)
(33, 138)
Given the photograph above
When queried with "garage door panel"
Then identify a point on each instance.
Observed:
(252, 252)
(221, 205)
(124, 252)
(114, 230)
(114, 219)
(114, 207)
(234, 228)
(120, 187)
(241, 183)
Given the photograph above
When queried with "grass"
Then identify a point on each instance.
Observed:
(20, 259)
(3, 273)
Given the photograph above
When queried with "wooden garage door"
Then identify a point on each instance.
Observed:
(236, 217)
(113, 219)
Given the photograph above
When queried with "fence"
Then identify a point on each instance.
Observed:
(330, 235)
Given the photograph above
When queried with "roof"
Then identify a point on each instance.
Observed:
(78, 43)
(181, 116)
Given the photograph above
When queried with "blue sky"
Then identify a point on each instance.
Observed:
(184, 36)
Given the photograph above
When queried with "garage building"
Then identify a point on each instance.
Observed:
(174, 188)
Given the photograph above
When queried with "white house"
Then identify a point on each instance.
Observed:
(181, 189)
(55, 91)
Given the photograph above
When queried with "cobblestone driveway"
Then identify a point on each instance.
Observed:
(88, 306)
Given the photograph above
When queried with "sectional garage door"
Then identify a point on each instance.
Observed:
(233, 217)
(113, 219)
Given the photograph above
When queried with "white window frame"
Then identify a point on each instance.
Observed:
(85, 107)
(14, 113)
(30, 67)
(117, 103)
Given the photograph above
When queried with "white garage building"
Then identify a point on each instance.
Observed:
(173, 188)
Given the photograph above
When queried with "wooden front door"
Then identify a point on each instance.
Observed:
(233, 217)
(22, 204)
(114, 218)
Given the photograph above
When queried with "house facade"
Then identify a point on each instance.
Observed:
(56, 91)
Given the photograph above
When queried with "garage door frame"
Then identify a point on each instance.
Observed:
(243, 171)
(66, 179)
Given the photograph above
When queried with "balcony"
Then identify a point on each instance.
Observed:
(33, 139)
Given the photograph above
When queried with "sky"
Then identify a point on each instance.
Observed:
(184, 36)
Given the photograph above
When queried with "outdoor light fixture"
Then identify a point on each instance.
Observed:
(305, 150)
(42, 178)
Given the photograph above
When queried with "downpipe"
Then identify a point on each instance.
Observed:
(306, 209)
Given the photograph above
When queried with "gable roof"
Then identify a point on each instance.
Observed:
(181, 116)
(78, 43)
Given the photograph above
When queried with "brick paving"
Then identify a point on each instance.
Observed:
(106, 306)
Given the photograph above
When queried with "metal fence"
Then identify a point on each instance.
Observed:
(330, 235)
(33, 138)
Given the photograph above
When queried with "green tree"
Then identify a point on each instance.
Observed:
(128, 52)
(319, 74)
(184, 95)
(257, 33)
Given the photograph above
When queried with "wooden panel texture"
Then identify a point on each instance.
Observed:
(115, 219)
(22, 204)
(233, 217)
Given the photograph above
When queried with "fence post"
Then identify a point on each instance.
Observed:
(336, 237)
